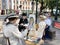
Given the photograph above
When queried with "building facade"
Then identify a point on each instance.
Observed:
(13, 5)
(27, 5)
(0, 6)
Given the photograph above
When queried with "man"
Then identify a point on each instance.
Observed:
(20, 12)
(48, 22)
(23, 24)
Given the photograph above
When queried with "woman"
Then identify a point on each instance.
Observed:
(40, 31)
(23, 25)
(11, 31)
(48, 22)
(37, 35)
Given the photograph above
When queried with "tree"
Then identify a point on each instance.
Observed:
(42, 4)
(53, 4)
(59, 4)
(49, 3)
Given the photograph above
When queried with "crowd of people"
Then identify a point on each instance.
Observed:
(17, 29)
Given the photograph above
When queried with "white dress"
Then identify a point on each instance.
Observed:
(40, 31)
(15, 37)
(33, 34)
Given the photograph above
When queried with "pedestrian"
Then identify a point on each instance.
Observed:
(20, 11)
(23, 24)
(10, 30)
(40, 32)
(48, 22)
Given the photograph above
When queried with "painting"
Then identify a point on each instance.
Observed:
(31, 21)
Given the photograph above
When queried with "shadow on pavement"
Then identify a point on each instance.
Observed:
(47, 42)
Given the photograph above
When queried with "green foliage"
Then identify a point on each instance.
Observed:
(38, 0)
(50, 3)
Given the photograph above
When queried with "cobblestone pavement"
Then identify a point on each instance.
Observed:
(55, 41)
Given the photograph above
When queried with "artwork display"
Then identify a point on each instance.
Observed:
(31, 22)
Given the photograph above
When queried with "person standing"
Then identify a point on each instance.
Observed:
(23, 24)
(20, 11)
(10, 30)
(40, 32)
(48, 22)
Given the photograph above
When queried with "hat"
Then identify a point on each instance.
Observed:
(24, 14)
(13, 16)
(43, 17)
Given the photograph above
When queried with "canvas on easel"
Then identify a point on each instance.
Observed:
(31, 22)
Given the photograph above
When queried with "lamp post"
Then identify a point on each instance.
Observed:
(36, 15)
(36, 10)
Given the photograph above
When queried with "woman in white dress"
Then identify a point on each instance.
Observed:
(11, 31)
(40, 31)
(36, 35)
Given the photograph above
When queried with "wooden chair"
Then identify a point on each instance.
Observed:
(7, 40)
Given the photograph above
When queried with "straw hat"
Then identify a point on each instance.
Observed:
(42, 17)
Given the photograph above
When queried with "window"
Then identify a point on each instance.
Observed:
(20, 2)
(23, 7)
(28, 7)
(17, 7)
(14, 6)
(14, 1)
(23, 2)
(17, 2)
(26, 2)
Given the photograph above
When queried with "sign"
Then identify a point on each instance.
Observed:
(57, 25)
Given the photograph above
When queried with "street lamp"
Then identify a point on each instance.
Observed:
(36, 10)
(36, 15)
